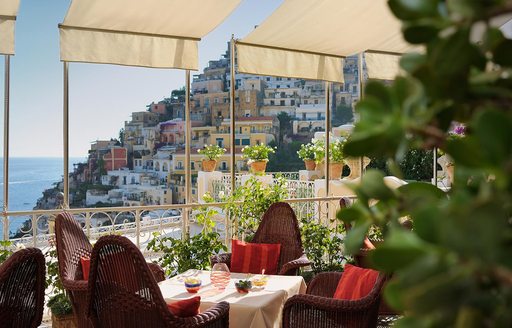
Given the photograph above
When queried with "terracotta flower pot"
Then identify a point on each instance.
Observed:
(258, 166)
(64, 321)
(335, 170)
(209, 165)
(310, 164)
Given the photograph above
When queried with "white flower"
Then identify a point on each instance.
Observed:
(221, 194)
(19, 246)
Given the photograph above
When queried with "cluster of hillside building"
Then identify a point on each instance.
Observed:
(147, 165)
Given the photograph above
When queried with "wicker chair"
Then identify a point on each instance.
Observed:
(317, 308)
(22, 278)
(279, 225)
(123, 293)
(72, 244)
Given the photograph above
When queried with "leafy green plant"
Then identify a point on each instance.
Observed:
(454, 268)
(255, 198)
(306, 151)
(59, 303)
(323, 245)
(5, 250)
(335, 150)
(257, 152)
(180, 255)
(212, 152)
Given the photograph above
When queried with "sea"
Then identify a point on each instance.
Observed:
(28, 178)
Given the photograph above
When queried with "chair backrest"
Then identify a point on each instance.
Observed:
(122, 291)
(72, 244)
(279, 225)
(22, 278)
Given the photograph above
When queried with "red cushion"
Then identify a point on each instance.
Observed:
(355, 283)
(86, 266)
(185, 308)
(252, 257)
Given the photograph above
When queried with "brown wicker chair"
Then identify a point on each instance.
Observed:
(317, 308)
(22, 278)
(279, 225)
(72, 243)
(123, 293)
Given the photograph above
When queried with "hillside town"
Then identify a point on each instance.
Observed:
(144, 165)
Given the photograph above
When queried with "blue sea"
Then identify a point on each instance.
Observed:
(28, 178)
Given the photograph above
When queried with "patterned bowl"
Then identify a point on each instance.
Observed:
(192, 285)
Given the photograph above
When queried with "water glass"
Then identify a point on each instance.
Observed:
(220, 276)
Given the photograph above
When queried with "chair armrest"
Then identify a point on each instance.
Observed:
(331, 312)
(291, 267)
(157, 271)
(216, 316)
(324, 284)
(75, 285)
(221, 258)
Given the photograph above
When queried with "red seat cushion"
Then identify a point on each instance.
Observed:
(253, 258)
(355, 283)
(185, 308)
(86, 266)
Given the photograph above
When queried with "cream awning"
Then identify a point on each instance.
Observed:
(307, 38)
(149, 33)
(8, 12)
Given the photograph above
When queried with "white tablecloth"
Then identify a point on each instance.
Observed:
(262, 307)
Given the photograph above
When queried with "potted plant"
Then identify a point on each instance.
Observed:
(211, 154)
(257, 156)
(59, 303)
(307, 154)
(335, 157)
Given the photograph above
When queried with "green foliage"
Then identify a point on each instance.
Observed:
(179, 255)
(322, 245)
(335, 150)
(256, 198)
(60, 305)
(285, 125)
(257, 152)
(5, 250)
(212, 152)
(306, 151)
(454, 268)
(342, 115)
(285, 158)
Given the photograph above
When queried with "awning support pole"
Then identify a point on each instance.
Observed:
(361, 87)
(327, 133)
(7, 82)
(188, 176)
(65, 204)
(232, 90)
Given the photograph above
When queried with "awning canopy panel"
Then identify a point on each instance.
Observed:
(8, 12)
(321, 28)
(150, 33)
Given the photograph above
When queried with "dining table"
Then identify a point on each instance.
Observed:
(261, 307)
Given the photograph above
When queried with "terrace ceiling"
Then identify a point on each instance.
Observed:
(308, 38)
(8, 12)
(148, 33)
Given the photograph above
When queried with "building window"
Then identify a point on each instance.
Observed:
(303, 116)
(246, 142)
(316, 101)
(180, 165)
(224, 166)
(272, 103)
(216, 100)
(192, 165)
(292, 102)
(237, 142)
(206, 102)
(268, 79)
(282, 102)
(319, 116)
(220, 142)
(305, 102)
(240, 130)
(278, 86)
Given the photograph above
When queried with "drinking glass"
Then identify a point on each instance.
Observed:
(220, 276)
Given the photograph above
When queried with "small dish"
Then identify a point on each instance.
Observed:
(243, 286)
(192, 285)
(260, 281)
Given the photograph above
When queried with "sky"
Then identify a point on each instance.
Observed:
(102, 97)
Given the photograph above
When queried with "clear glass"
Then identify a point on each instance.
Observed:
(220, 276)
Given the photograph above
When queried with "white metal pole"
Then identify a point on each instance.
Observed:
(7, 81)
(232, 114)
(327, 134)
(65, 204)
(188, 175)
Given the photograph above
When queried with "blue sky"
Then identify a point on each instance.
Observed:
(101, 96)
